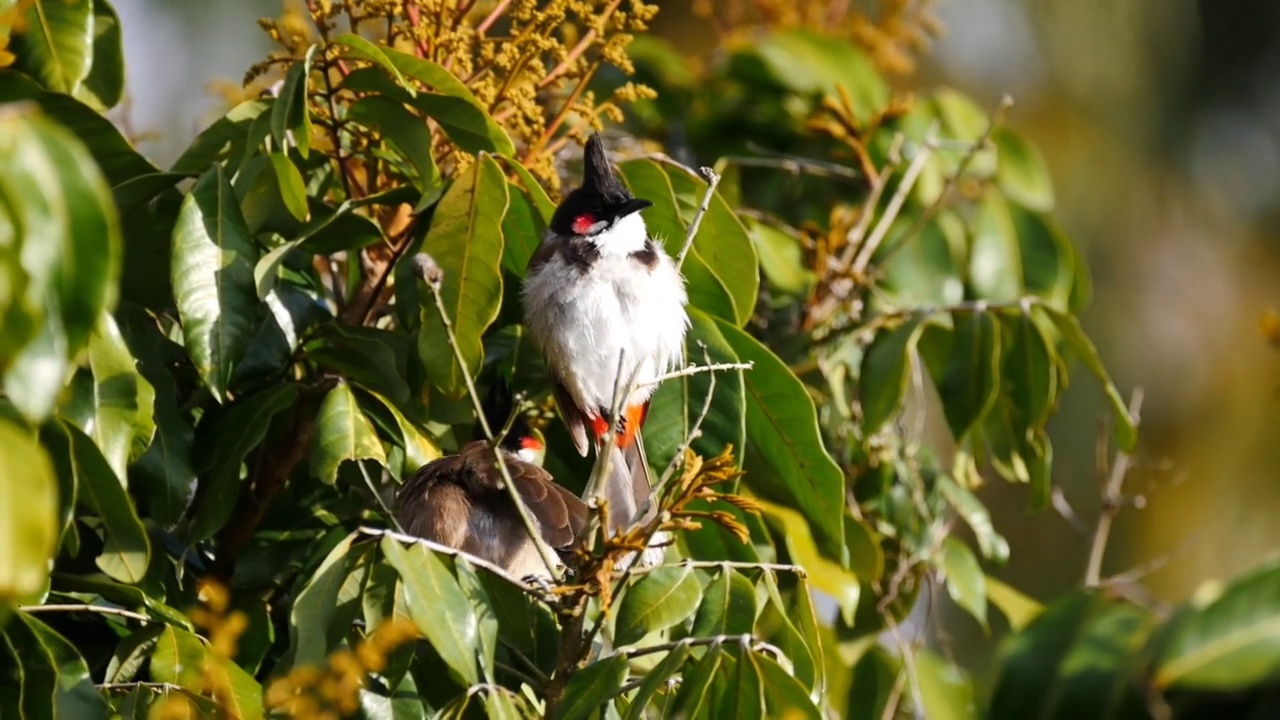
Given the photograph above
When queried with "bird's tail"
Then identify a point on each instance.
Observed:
(628, 490)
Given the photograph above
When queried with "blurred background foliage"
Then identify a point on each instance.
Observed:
(1157, 124)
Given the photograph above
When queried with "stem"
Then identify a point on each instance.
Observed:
(530, 527)
(895, 203)
(735, 564)
(696, 369)
(446, 550)
(492, 17)
(713, 179)
(75, 607)
(854, 239)
(1111, 502)
(578, 49)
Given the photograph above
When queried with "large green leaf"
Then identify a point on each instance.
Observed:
(342, 433)
(56, 43)
(105, 83)
(213, 259)
(234, 434)
(971, 380)
(808, 63)
(126, 548)
(728, 606)
(317, 619)
(1228, 644)
(790, 463)
(592, 686)
(995, 260)
(115, 157)
(466, 241)
(1069, 328)
(839, 584)
(781, 258)
(946, 692)
(410, 136)
(181, 658)
(965, 581)
(437, 605)
(124, 402)
(886, 366)
(1049, 263)
(453, 105)
(678, 402)
(29, 526)
(64, 257)
(784, 695)
(55, 681)
(1030, 371)
(660, 599)
(657, 678)
(225, 139)
(1021, 172)
(290, 118)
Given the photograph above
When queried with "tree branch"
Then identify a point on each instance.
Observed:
(1111, 501)
(713, 179)
(77, 607)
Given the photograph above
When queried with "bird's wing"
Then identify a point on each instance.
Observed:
(559, 514)
(574, 418)
(430, 505)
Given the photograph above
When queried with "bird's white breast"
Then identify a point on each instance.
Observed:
(584, 320)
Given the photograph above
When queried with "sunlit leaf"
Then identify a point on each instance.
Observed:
(105, 83)
(124, 402)
(1017, 608)
(655, 680)
(945, 690)
(660, 599)
(728, 606)
(290, 119)
(808, 63)
(56, 44)
(1021, 173)
(993, 545)
(784, 695)
(213, 259)
(466, 241)
(29, 523)
(826, 575)
(592, 686)
(1069, 327)
(781, 258)
(437, 605)
(342, 433)
(292, 190)
(966, 582)
(995, 262)
(972, 376)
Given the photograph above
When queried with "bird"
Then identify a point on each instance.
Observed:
(459, 501)
(605, 305)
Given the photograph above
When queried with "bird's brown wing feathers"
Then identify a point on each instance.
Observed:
(560, 515)
(574, 418)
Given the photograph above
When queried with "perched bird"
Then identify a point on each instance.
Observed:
(601, 295)
(459, 501)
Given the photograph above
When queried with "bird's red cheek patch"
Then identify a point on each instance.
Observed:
(582, 224)
(531, 443)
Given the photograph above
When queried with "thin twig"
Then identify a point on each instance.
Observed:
(1111, 501)
(795, 166)
(433, 281)
(695, 369)
(76, 607)
(891, 210)
(853, 240)
(368, 481)
(527, 680)
(695, 430)
(724, 564)
(1059, 501)
(162, 686)
(747, 641)
(996, 117)
(446, 550)
(713, 179)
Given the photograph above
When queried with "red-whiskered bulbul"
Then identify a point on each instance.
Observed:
(459, 501)
(599, 292)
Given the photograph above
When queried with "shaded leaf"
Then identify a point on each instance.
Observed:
(410, 136)
(316, 622)
(1069, 327)
(886, 366)
(784, 695)
(55, 681)
(655, 680)
(971, 379)
(104, 84)
(728, 606)
(213, 259)
(945, 690)
(592, 686)
(1021, 172)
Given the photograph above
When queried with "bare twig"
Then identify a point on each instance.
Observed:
(1111, 501)
(747, 641)
(713, 180)
(795, 166)
(1068, 513)
(853, 240)
(433, 277)
(724, 564)
(77, 607)
(891, 210)
(162, 686)
(446, 550)
(695, 369)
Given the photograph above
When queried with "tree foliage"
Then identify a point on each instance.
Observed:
(214, 376)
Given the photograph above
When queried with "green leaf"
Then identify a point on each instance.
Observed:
(1069, 327)
(369, 357)
(213, 259)
(29, 525)
(993, 546)
(1228, 644)
(238, 431)
(292, 189)
(466, 122)
(537, 195)
(105, 83)
(828, 576)
(971, 380)
(592, 686)
(115, 157)
(792, 465)
(63, 259)
(342, 433)
(465, 239)
(522, 231)
(225, 139)
(802, 649)
(524, 623)
(437, 605)
(657, 679)
(181, 658)
(1078, 659)
(946, 692)
(1021, 172)
(1017, 608)
(124, 402)
(317, 621)
(1049, 263)
(784, 696)
(410, 136)
(1030, 367)
(739, 692)
(419, 449)
(678, 402)
(694, 698)
(886, 367)
(728, 606)
(55, 681)
(995, 263)
(126, 549)
(966, 584)
(781, 258)
(56, 44)
(660, 599)
(289, 116)
(808, 63)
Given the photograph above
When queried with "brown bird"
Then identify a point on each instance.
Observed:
(459, 501)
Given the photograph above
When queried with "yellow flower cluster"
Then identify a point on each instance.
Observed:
(223, 630)
(331, 692)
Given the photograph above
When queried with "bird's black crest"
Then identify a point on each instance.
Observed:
(602, 196)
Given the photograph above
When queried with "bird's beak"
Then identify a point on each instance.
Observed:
(633, 205)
